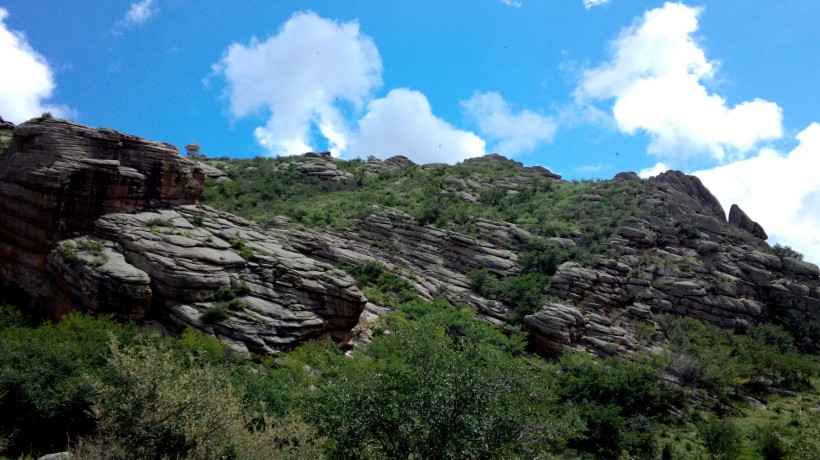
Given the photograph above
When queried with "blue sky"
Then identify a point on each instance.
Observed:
(723, 89)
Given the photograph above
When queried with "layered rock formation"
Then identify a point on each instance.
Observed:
(106, 222)
(97, 220)
(682, 258)
(676, 255)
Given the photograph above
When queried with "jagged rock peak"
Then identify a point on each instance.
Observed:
(399, 161)
(741, 220)
(627, 175)
(699, 197)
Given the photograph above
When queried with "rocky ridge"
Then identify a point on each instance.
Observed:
(677, 255)
(101, 221)
(111, 222)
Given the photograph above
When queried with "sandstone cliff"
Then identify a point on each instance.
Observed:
(96, 220)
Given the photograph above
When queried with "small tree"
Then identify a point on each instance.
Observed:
(786, 251)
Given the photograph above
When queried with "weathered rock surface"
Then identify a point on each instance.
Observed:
(326, 171)
(682, 259)
(100, 221)
(739, 219)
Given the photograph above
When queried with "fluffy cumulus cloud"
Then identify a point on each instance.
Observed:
(26, 80)
(514, 132)
(657, 77)
(780, 190)
(590, 3)
(403, 123)
(300, 77)
(315, 78)
(513, 3)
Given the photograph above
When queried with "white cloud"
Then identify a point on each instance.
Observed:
(592, 168)
(654, 170)
(513, 3)
(515, 133)
(26, 80)
(590, 3)
(138, 13)
(779, 190)
(656, 78)
(402, 123)
(300, 77)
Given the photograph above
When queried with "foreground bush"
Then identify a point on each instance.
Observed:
(428, 390)
(45, 390)
(160, 406)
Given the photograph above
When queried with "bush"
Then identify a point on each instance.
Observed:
(525, 293)
(162, 405)
(769, 442)
(45, 392)
(417, 393)
(722, 438)
(620, 402)
(786, 251)
(378, 284)
(215, 314)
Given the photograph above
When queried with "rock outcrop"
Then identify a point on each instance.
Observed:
(96, 220)
(739, 219)
(680, 258)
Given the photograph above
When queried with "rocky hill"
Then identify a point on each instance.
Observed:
(106, 222)
(96, 220)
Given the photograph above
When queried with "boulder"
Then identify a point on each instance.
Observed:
(800, 267)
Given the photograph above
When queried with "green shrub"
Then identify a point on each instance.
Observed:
(45, 392)
(722, 438)
(215, 314)
(620, 401)
(378, 284)
(786, 251)
(11, 317)
(417, 393)
(162, 405)
(525, 293)
(159, 222)
(769, 441)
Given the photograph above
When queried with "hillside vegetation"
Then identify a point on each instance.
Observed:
(442, 370)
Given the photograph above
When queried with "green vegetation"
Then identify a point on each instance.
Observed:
(379, 285)
(263, 188)
(157, 222)
(786, 251)
(5, 140)
(435, 382)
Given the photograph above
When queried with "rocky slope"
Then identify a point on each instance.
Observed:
(101, 221)
(674, 253)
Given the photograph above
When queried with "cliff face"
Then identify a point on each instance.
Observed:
(97, 220)
(100, 221)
